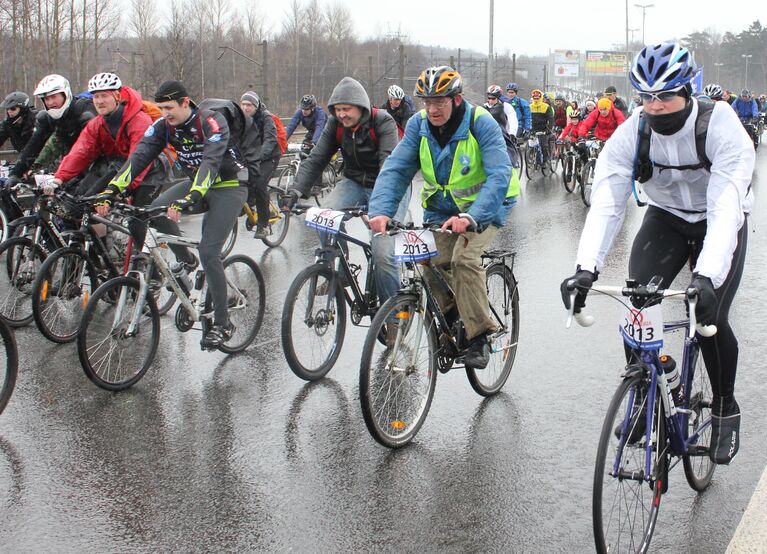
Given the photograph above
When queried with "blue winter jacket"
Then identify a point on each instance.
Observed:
(399, 169)
(745, 110)
(314, 124)
(522, 107)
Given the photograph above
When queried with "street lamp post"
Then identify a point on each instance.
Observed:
(717, 65)
(632, 31)
(644, 9)
(746, 57)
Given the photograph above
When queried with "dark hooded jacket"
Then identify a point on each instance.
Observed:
(19, 129)
(363, 155)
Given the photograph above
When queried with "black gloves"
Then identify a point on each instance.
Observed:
(187, 202)
(583, 281)
(708, 304)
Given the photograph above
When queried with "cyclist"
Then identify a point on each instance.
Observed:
(521, 106)
(747, 110)
(19, 120)
(570, 132)
(268, 158)
(619, 103)
(467, 175)
(562, 111)
(603, 121)
(312, 117)
(107, 141)
(366, 137)
(542, 120)
(762, 103)
(399, 107)
(209, 154)
(506, 117)
(589, 107)
(728, 97)
(64, 118)
(694, 212)
(714, 92)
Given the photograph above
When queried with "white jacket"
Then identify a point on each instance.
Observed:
(722, 197)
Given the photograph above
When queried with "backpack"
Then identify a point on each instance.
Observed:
(231, 111)
(371, 130)
(282, 135)
(643, 166)
(151, 109)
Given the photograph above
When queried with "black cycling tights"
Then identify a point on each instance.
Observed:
(663, 245)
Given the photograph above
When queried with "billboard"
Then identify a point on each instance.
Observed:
(606, 62)
(566, 63)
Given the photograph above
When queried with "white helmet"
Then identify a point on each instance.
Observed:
(396, 92)
(55, 84)
(104, 81)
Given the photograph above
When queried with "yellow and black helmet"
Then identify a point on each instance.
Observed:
(437, 82)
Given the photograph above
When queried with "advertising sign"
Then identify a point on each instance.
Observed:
(566, 63)
(606, 62)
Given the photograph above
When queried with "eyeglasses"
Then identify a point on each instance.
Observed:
(665, 96)
(438, 104)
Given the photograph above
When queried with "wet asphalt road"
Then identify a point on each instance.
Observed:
(212, 453)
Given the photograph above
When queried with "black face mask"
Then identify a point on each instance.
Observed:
(669, 123)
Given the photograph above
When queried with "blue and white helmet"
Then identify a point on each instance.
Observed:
(660, 67)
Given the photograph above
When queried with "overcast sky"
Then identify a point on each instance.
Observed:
(520, 28)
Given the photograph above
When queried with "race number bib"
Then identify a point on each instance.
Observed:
(642, 329)
(414, 246)
(42, 180)
(323, 219)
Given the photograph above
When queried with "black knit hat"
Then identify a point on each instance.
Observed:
(171, 90)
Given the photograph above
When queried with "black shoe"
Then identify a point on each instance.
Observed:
(725, 432)
(637, 426)
(478, 354)
(217, 335)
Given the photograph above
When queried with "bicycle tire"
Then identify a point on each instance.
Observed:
(279, 221)
(522, 150)
(17, 278)
(286, 178)
(397, 381)
(698, 467)
(503, 294)
(529, 162)
(11, 360)
(231, 239)
(304, 326)
(99, 321)
(61, 291)
(587, 180)
(329, 177)
(568, 173)
(544, 166)
(637, 507)
(3, 225)
(243, 273)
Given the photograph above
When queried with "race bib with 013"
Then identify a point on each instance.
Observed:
(642, 329)
(413, 246)
(323, 219)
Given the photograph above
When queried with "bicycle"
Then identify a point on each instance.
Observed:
(534, 156)
(10, 208)
(650, 425)
(398, 377)
(279, 221)
(313, 322)
(571, 166)
(9, 357)
(594, 147)
(297, 153)
(120, 328)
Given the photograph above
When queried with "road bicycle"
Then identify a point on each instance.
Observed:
(534, 156)
(594, 147)
(120, 328)
(9, 364)
(653, 421)
(314, 313)
(398, 376)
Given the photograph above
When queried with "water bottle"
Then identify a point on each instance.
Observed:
(182, 276)
(673, 378)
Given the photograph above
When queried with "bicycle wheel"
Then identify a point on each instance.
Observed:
(113, 357)
(625, 504)
(3, 225)
(545, 166)
(279, 221)
(286, 178)
(529, 162)
(246, 298)
(554, 154)
(329, 176)
(20, 260)
(230, 240)
(60, 293)
(522, 150)
(504, 310)
(313, 323)
(9, 356)
(587, 180)
(397, 379)
(568, 172)
(698, 467)
(164, 297)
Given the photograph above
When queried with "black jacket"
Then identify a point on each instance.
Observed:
(400, 114)
(270, 149)
(19, 130)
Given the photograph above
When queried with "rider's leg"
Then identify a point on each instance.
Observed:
(387, 270)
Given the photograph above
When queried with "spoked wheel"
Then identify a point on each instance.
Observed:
(522, 150)
(529, 162)
(625, 503)
(20, 262)
(114, 354)
(246, 297)
(9, 364)
(545, 165)
(279, 221)
(313, 323)
(286, 178)
(3, 225)
(554, 153)
(503, 295)
(329, 176)
(397, 379)
(568, 172)
(230, 240)
(587, 180)
(698, 467)
(61, 291)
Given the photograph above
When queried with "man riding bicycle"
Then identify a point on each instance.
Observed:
(521, 106)
(399, 107)
(312, 117)
(19, 120)
(697, 212)
(460, 150)
(542, 120)
(748, 111)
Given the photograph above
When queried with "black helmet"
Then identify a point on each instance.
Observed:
(308, 101)
(16, 99)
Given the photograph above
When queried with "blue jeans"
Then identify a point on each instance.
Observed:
(348, 194)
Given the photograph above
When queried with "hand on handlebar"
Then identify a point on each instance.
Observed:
(707, 304)
(459, 224)
(379, 223)
(580, 283)
(49, 189)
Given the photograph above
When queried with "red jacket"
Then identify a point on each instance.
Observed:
(571, 132)
(96, 141)
(605, 126)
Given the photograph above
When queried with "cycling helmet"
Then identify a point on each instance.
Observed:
(662, 67)
(495, 91)
(551, 96)
(104, 81)
(16, 99)
(536, 92)
(713, 91)
(576, 114)
(438, 81)
(308, 102)
(395, 92)
(55, 84)
(745, 92)
(560, 97)
(512, 86)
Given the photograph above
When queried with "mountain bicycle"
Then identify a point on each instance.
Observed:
(9, 362)
(279, 221)
(651, 424)
(398, 376)
(534, 156)
(571, 165)
(594, 147)
(120, 328)
(314, 313)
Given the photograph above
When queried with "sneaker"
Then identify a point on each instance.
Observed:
(176, 267)
(637, 426)
(217, 335)
(478, 354)
(261, 233)
(725, 434)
